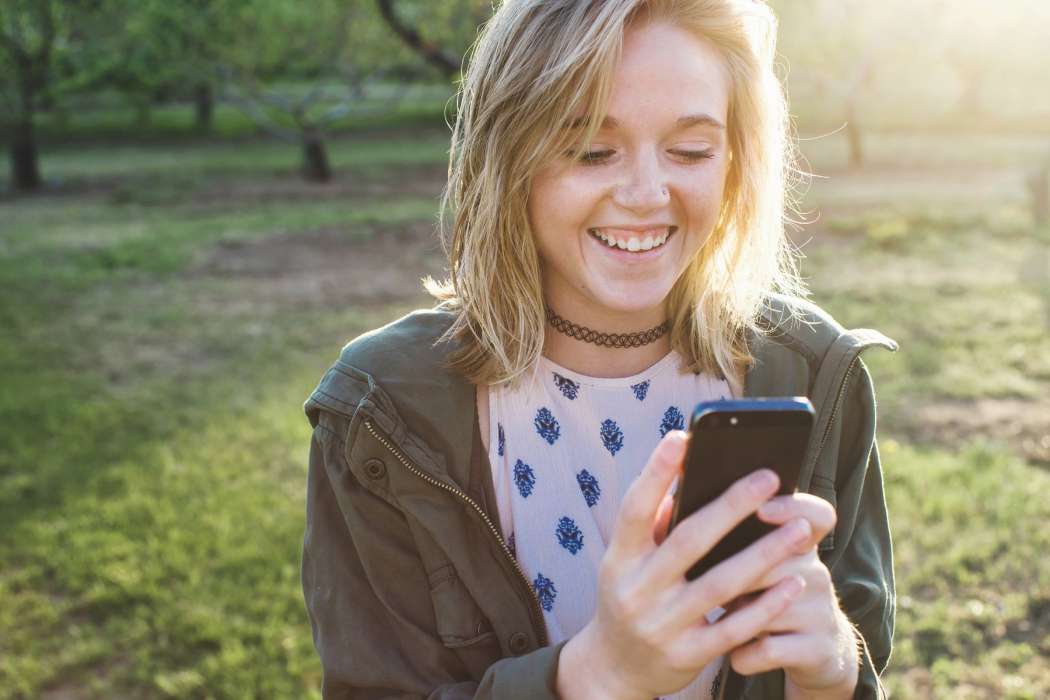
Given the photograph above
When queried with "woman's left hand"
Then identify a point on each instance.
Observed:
(812, 640)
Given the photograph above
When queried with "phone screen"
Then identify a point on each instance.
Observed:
(730, 439)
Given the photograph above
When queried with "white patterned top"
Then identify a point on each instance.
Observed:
(564, 448)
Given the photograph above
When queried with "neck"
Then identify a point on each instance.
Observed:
(599, 361)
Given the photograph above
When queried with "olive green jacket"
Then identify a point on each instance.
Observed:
(412, 592)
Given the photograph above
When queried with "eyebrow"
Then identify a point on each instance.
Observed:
(680, 123)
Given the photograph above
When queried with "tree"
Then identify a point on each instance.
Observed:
(189, 39)
(28, 31)
(841, 47)
(451, 27)
(984, 42)
(44, 50)
(168, 49)
(306, 70)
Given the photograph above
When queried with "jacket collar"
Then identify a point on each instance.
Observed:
(400, 382)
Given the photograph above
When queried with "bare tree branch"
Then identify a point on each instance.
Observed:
(249, 104)
(434, 54)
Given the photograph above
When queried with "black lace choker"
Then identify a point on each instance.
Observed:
(609, 340)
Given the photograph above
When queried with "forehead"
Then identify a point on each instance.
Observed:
(666, 76)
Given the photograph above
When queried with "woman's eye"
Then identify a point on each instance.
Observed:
(592, 157)
(598, 157)
(695, 155)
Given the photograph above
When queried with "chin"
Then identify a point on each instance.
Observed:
(633, 300)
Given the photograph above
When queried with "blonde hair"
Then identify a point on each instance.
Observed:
(535, 63)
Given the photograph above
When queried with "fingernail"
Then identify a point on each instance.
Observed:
(677, 437)
(762, 481)
(771, 509)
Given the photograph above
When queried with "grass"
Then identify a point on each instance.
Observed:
(973, 615)
(152, 525)
(107, 116)
(974, 288)
(231, 159)
(153, 470)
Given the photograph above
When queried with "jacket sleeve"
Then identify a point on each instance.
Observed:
(861, 563)
(362, 577)
(861, 557)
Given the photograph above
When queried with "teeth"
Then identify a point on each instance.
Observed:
(632, 244)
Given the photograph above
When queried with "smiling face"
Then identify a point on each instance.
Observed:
(616, 230)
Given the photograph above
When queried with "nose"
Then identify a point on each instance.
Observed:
(643, 187)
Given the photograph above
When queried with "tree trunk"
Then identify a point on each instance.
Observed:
(204, 106)
(1039, 188)
(315, 159)
(853, 135)
(970, 73)
(143, 111)
(970, 97)
(25, 162)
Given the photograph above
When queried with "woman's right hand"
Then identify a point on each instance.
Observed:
(649, 636)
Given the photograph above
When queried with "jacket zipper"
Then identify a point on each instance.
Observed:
(534, 611)
(816, 456)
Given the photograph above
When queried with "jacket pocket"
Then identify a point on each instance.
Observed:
(825, 488)
(459, 620)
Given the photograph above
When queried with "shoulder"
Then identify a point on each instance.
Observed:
(409, 345)
(799, 348)
(798, 325)
(401, 367)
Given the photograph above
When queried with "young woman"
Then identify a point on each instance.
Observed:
(490, 480)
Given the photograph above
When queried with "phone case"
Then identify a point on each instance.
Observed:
(730, 439)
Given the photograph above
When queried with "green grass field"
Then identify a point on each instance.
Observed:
(168, 307)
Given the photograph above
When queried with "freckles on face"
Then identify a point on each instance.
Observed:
(662, 162)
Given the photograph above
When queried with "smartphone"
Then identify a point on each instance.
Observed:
(730, 439)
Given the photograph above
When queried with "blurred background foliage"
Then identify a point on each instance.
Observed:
(204, 200)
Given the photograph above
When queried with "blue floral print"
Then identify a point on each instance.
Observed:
(569, 536)
(567, 387)
(502, 439)
(545, 591)
(589, 486)
(673, 420)
(640, 390)
(524, 478)
(612, 436)
(547, 426)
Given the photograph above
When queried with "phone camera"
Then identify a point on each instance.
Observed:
(733, 420)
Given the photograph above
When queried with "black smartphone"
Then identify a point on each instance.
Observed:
(730, 439)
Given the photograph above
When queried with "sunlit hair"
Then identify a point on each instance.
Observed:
(535, 63)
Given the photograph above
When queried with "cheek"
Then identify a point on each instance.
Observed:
(705, 189)
(559, 206)
(702, 204)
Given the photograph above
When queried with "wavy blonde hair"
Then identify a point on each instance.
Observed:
(536, 62)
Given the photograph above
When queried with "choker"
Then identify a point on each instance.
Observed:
(609, 340)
